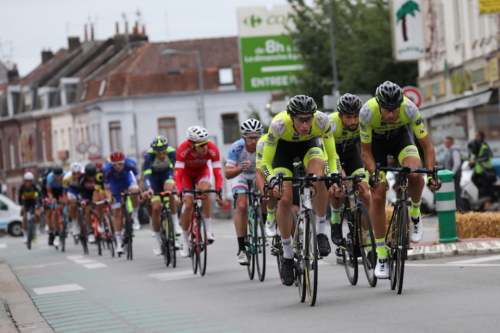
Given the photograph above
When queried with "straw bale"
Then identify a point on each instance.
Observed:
(478, 225)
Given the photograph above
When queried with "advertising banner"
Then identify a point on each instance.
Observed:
(407, 30)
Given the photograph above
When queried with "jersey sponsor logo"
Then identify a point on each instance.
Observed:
(422, 130)
(271, 137)
(363, 127)
(314, 152)
(271, 144)
(260, 145)
(419, 121)
(212, 152)
(365, 136)
(411, 150)
(295, 137)
(365, 114)
(265, 171)
(322, 120)
(237, 149)
(185, 152)
(259, 156)
(278, 127)
(411, 109)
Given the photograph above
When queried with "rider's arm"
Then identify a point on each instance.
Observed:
(147, 169)
(232, 168)
(484, 156)
(331, 151)
(20, 199)
(270, 146)
(216, 165)
(179, 167)
(172, 156)
(418, 126)
(429, 154)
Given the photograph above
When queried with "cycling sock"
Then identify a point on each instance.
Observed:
(25, 234)
(208, 224)
(287, 248)
(381, 250)
(158, 237)
(175, 219)
(335, 219)
(241, 244)
(134, 213)
(320, 224)
(368, 241)
(118, 236)
(271, 214)
(415, 209)
(185, 236)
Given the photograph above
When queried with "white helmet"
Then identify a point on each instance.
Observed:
(28, 176)
(75, 167)
(251, 126)
(197, 133)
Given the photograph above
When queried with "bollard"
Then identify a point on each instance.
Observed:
(446, 208)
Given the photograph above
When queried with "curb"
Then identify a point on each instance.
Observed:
(25, 315)
(450, 250)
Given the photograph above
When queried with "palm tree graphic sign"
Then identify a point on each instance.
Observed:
(409, 7)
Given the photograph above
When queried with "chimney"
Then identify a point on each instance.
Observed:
(13, 73)
(73, 43)
(136, 28)
(46, 56)
(86, 36)
(117, 28)
(143, 30)
(126, 27)
(91, 31)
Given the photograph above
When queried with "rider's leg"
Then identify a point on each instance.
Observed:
(285, 220)
(207, 205)
(240, 219)
(378, 217)
(320, 201)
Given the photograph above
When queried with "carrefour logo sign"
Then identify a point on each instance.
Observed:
(273, 19)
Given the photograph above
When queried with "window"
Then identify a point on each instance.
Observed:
(12, 155)
(166, 128)
(15, 102)
(231, 127)
(102, 88)
(3, 206)
(44, 147)
(457, 19)
(226, 76)
(115, 135)
(1, 155)
(472, 22)
(70, 91)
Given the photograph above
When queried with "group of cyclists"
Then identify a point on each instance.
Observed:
(327, 145)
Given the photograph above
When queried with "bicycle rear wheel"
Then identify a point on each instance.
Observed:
(250, 247)
(402, 246)
(164, 240)
(299, 254)
(99, 245)
(366, 241)
(30, 233)
(171, 244)
(311, 258)
(128, 235)
(393, 245)
(83, 234)
(260, 246)
(277, 250)
(202, 246)
(349, 255)
(195, 256)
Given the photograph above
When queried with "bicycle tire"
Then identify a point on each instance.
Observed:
(99, 245)
(202, 246)
(83, 234)
(192, 248)
(370, 258)
(260, 254)
(392, 245)
(250, 249)
(402, 248)
(300, 279)
(311, 258)
(171, 237)
(349, 255)
(128, 233)
(30, 233)
(164, 240)
(277, 250)
(110, 234)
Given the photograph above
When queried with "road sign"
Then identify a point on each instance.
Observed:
(268, 58)
(81, 148)
(414, 94)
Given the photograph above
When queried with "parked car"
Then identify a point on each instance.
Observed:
(10, 217)
(428, 205)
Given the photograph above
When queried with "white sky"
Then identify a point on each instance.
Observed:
(28, 26)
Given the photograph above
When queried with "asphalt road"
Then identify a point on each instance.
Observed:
(115, 295)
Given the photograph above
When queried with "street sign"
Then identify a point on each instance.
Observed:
(269, 60)
(81, 148)
(94, 151)
(414, 94)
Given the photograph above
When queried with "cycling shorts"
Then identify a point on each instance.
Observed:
(240, 183)
(352, 163)
(158, 180)
(117, 186)
(287, 151)
(191, 177)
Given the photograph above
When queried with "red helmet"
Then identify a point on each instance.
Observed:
(98, 165)
(116, 156)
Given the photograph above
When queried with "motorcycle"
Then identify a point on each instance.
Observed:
(470, 193)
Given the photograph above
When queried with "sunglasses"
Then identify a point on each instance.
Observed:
(201, 144)
(252, 136)
(303, 120)
(161, 152)
(117, 163)
(391, 109)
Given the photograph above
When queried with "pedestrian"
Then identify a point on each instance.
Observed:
(453, 162)
(484, 175)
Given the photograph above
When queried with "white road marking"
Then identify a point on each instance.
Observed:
(84, 261)
(453, 264)
(74, 257)
(41, 265)
(57, 289)
(174, 276)
(474, 261)
(3, 246)
(96, 265)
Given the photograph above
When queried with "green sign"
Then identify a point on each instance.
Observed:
(269, 62)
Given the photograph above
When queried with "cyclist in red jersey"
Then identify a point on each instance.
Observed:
(191, 168)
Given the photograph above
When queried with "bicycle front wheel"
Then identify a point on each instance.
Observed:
(31, 230)
(83, 234)
(277, 250)
(260, 246)
(367, 244)
(202, 246)
(349, 253)
(171, 243)
(250, 247)
(311, 258)
(165, 240)
(402, 246)
(128, 235)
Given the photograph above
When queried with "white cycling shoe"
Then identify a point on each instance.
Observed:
(416, 229)
(271, 228)
(382, 268)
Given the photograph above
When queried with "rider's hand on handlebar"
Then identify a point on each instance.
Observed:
(373, 180)
(335, 192)
(276, 192)
(433, 185)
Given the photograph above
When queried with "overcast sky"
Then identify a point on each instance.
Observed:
(28, 26)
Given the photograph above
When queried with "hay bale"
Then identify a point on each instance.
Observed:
(478, 225)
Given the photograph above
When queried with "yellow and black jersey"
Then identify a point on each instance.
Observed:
(31, 194)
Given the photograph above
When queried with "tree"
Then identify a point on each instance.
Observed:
(409, 7)
(363, 48)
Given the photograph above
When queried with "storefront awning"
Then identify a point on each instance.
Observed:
(461, 103)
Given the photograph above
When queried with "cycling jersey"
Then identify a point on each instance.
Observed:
(29, 195)
(188, 161)
(372, 124)
(113, 176)
(281, 129)
(260, 151)
(238, 153)
(344, 138)
(52, 184)
(87, 187)
(156, 171)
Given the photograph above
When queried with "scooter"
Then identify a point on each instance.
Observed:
(470, 193)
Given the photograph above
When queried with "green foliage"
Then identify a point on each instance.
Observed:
(253, 112)
(363, 48)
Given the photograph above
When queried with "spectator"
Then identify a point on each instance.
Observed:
(484, 175)
(453, 162)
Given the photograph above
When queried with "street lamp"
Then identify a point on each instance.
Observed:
(172, 52)
(335, 90)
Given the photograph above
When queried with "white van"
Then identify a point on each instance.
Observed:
(10, 217)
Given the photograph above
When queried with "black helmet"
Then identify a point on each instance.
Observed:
(389, 94)
(349, 104)
(160, 143)
(57, 170)
(301, 104)
(474, 146)
(90, 169)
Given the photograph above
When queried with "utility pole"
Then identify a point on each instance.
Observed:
(335, 88)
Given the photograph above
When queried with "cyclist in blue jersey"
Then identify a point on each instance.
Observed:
(121, 174)
(72, 194)
(159, 176)
(54, 187)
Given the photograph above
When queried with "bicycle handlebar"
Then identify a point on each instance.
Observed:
(406, 169)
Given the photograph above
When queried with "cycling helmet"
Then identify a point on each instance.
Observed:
(57, 170)
(349, 104)
(160, 143)
(98, 165)
(197, 133)
(75, 167)
(251, 126)
(90, 169)
(301, 104)
(116, 156)
(28, 176)
(389, 94)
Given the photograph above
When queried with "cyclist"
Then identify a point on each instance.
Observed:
(159, 176)
(240, 168)
(99, 195)
(383, 132)
(87, 183)
(29, 198)
(191, 167)
(345, 127)
(72, 194)
(293, 133)
(54, 187)
(121, 173)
